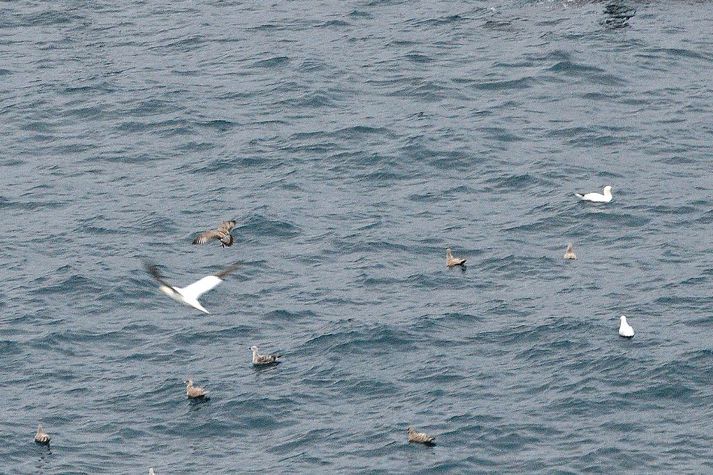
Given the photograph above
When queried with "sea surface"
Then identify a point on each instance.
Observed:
(353, 141)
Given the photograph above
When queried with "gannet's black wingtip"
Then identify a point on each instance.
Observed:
(228, 270)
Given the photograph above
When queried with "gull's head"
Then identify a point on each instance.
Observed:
(622, 319)
(569, 247)
(607, 189)
(448, 251)
(253, 349)
(188, 382)
(409, 429)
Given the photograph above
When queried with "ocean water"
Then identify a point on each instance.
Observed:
(353, 142)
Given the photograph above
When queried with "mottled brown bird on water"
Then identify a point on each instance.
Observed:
(453, 261)
(420, 437)
(569, 253)
(194, 392)
(259, 359)
(41, 437)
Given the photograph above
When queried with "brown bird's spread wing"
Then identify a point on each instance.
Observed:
(206, 236)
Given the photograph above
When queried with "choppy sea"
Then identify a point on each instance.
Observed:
(353, 142)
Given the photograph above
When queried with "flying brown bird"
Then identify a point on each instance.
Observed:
(569, 253)
(420, 437)
(259, 359)
(453, 261)
(221, 233)
(194, 392)
(41, 437)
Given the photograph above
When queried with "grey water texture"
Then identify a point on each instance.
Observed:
(353, 142)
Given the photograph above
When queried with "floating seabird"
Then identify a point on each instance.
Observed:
(194, 392)
(569, 253)
(259, 359)
(453, 261)
(151, 472)
(189, 295)
(420, 437)
(221, 233)
(41, 437)
(625, 329)
(596, 197)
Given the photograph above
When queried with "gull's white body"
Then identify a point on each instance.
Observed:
(597, 197)
(189, 295)
(625, 329)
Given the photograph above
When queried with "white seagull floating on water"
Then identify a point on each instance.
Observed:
(625, 329)
(189, 295)
(596, 197)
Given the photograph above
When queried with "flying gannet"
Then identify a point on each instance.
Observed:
(189, 295)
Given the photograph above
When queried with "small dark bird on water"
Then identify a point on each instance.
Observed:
(221, 233)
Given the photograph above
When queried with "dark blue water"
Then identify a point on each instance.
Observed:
(353, 142)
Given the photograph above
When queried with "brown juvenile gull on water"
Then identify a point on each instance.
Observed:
(453, 261)
(569, 253)
(41, 437)
(194, 392)
(420, 437)
(189, 295)
(221, 233)
(263, 359)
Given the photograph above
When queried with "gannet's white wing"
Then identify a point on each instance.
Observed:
(198, 288)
